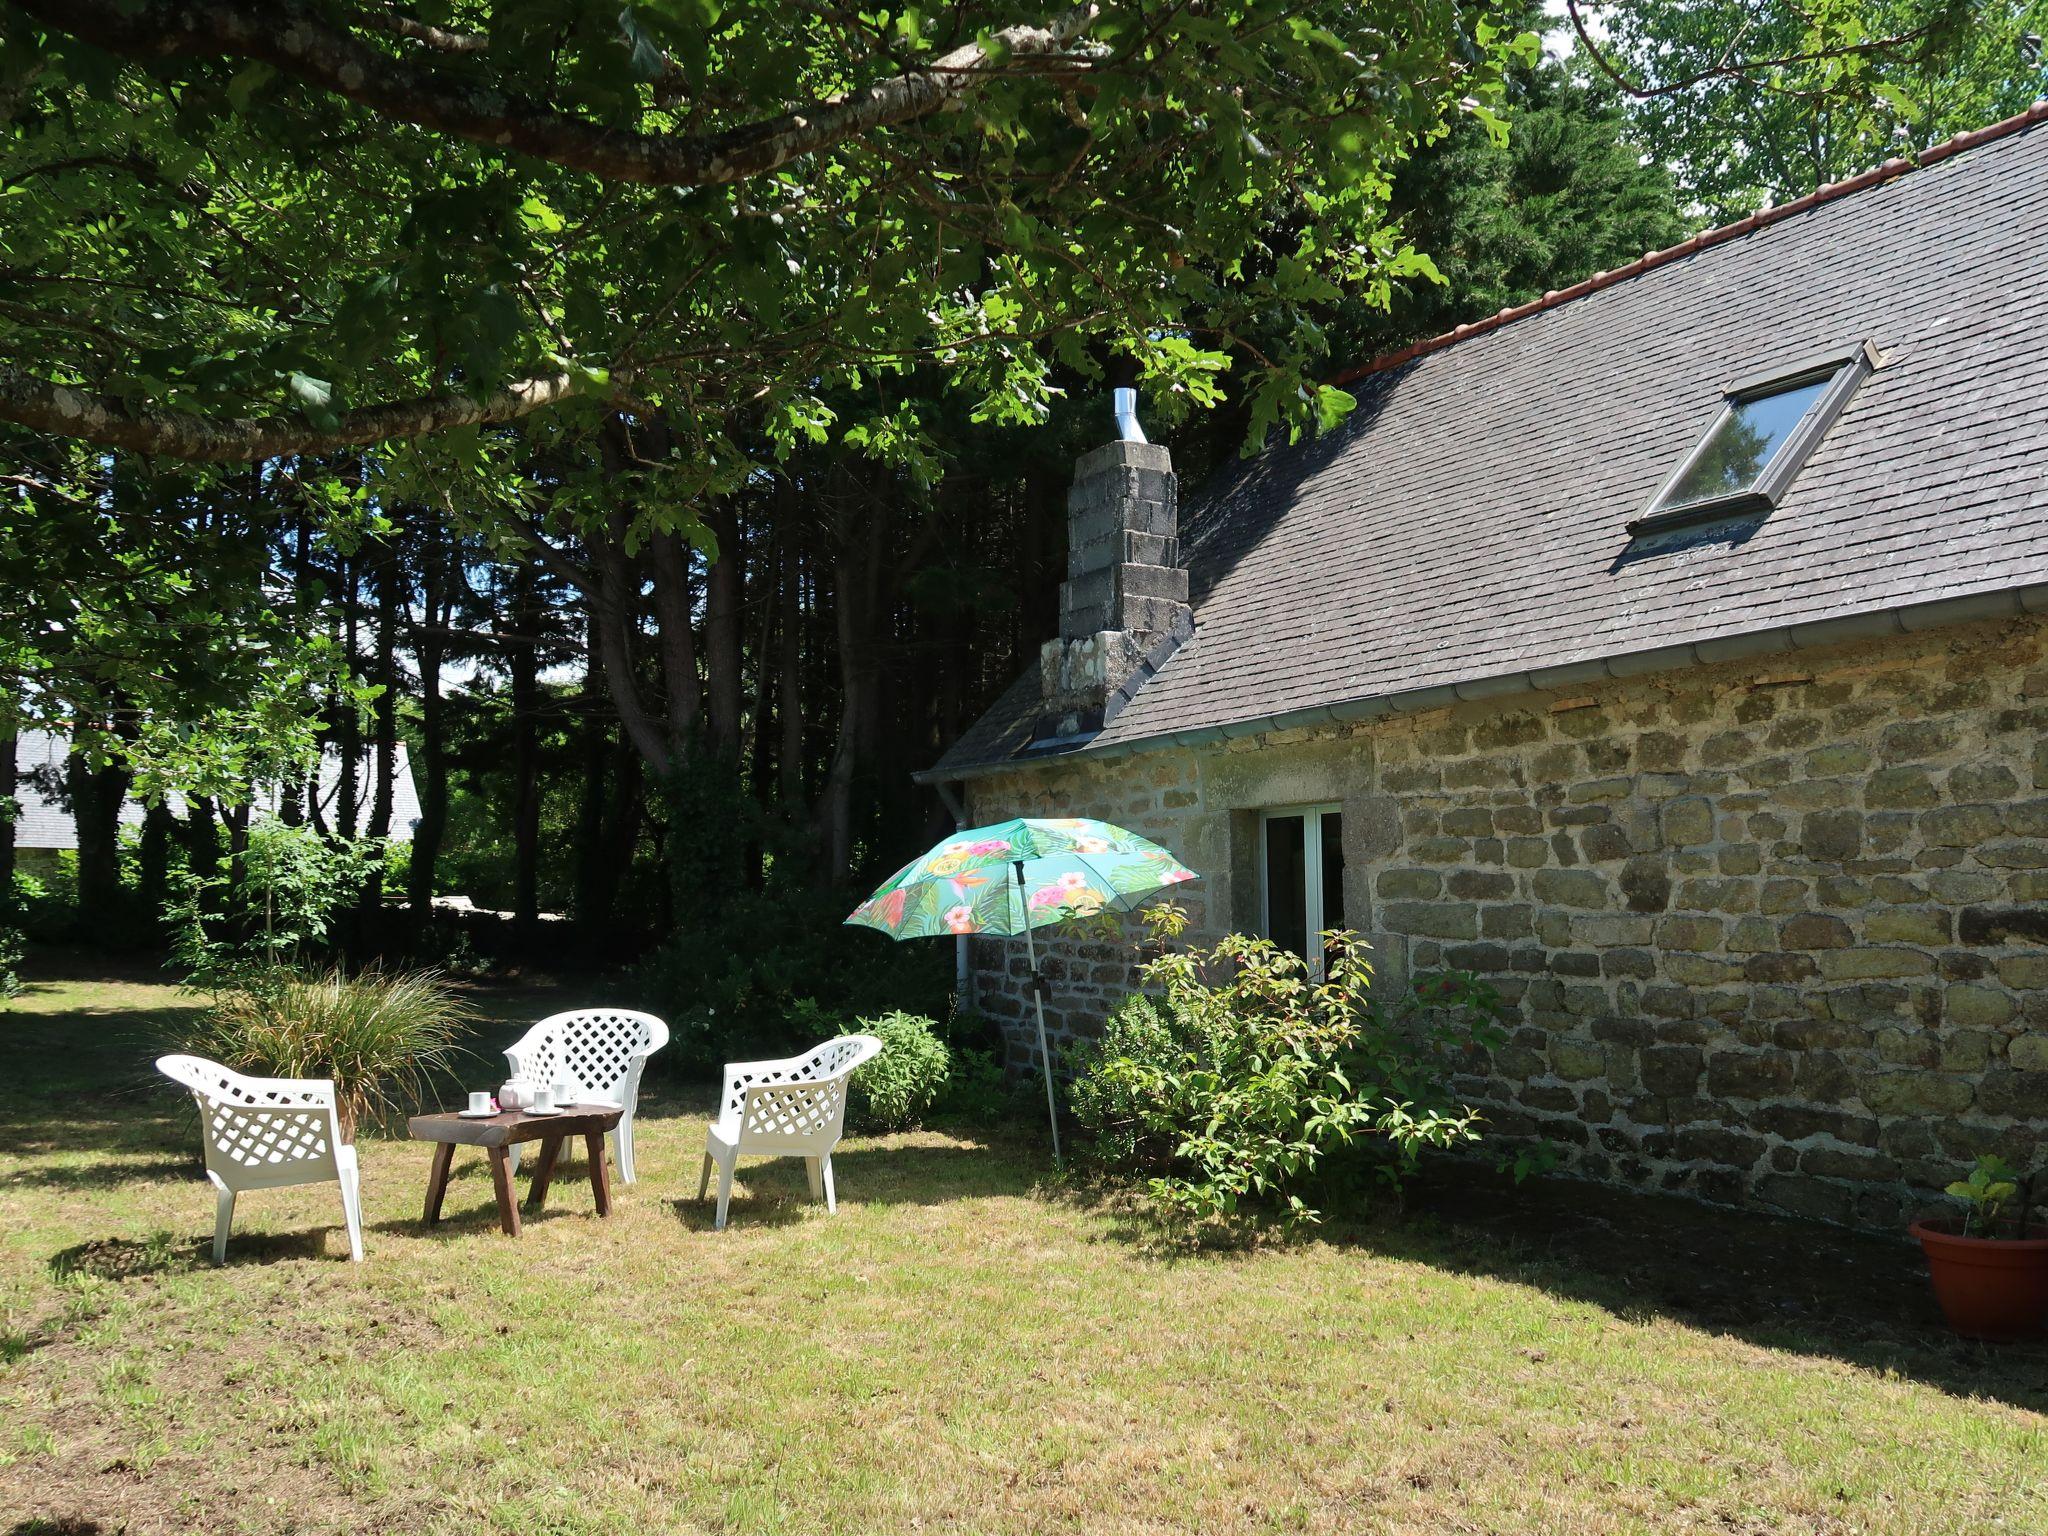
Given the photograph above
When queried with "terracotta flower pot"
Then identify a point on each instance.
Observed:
(1989, 1287)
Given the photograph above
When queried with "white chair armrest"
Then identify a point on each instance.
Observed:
(520, 1052)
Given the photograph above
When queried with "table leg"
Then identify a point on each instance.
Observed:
(600, 1175)
(437, 1180)
(544, 1170)
(501, 1181)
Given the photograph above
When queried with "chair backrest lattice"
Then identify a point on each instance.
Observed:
(265, 1126)
(597, 1048)
(794, 1111)
(836, 1058)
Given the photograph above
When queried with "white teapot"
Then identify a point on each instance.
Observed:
(516, 1094)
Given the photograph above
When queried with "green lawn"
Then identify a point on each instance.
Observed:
(963, 1348)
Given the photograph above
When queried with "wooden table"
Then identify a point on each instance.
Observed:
(497, 1133)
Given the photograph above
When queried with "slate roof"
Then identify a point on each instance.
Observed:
(1466, 522)
(45, 820)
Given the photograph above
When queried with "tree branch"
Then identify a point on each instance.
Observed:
(62, 411)
(300, 42)
(1727, 67)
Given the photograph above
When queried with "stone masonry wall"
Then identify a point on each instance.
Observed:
(1774, 933)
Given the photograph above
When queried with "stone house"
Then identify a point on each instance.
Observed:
(1670, 651)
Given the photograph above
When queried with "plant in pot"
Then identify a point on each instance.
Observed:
(1990, 1267)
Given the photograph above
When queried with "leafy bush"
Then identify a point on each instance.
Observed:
(759, 978)
(893, 1091)
(279, 911)
(1233, 1085)
(12, 948)
(378, 1035)
(978, 1091)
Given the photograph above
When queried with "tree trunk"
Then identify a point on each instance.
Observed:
(152, 884)
(10, 782)
(675, 619)
(96, 795)
(348, 725)
(430, 647)
(790, 683)
(856, 578)
(722, 630)
(591, 855)
(525, 751)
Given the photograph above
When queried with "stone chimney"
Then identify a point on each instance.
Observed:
(1124, 604)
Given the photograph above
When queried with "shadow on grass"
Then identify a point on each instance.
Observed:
(776, 1191)
(1780, 1284)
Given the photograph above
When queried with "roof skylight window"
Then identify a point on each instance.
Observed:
(1757, 442)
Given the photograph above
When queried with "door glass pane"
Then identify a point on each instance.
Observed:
(1286, 883)
(1333, 870)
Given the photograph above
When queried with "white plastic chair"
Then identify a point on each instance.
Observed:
(600, 1052)
(266, 1133)
(793, 1108)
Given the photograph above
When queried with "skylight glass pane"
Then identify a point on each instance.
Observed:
(1742, 444)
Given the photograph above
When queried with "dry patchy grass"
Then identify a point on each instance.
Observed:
(962, 1349)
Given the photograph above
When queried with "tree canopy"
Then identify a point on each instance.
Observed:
(1756, 101)
(245, 231)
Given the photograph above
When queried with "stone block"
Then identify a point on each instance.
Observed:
(1695, 970)
(1961, 826)
(1750, 1074)
(1411, 884)
(1816, 930)
(1689, 933)
(2028, 1053)
(1834, 761)
(1583, 888)
(1831, 836)
(1903, 789)
(1480, 885)
(1718, 1144)
(1608, 930)
(1646, 884)
(2024, 972)
(1984, 780)
(1577, 1061)
(1672, 1071)
(1847, 1163)
(1434, 920)
(1783, 895)
(1687, 821)
(1912, 1091)
(1869, 962)
(1972, 1005)
(1907, 925)
(2023, 1095)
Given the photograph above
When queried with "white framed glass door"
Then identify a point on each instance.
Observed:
(1301, 877)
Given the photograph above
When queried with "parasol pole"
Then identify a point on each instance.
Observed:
(1038, 1001)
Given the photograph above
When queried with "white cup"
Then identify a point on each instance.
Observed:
(565, 1092)
(543, 1100)
(480, 1103)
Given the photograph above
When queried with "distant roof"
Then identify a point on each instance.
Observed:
(1466, 521)
(45, 820)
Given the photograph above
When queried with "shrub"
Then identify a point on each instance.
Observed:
(978, 1091)
(1232, 1087)
(378, 1035)
(279, 911)
(893, 1091)
(12, 948)
(757, 979)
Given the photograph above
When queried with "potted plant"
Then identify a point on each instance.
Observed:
(1990, 1268)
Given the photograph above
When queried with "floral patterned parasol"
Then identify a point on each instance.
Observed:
(1073, 867)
